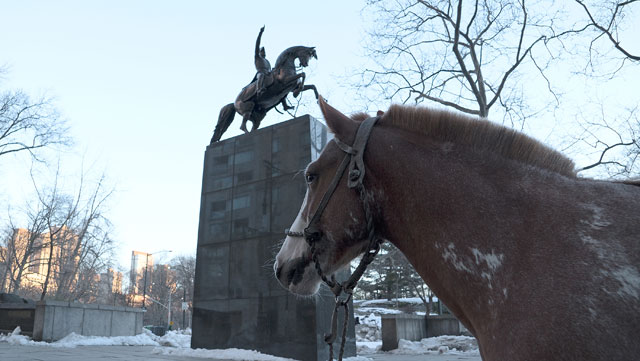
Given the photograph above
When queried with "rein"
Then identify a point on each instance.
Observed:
(354, 160)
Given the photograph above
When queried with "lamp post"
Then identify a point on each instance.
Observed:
(146, 265)
(169, 306)
(184, 300)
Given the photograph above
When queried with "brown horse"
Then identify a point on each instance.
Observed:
(537, 263)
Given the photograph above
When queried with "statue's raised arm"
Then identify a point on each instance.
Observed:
(263, 67)
(258, 42)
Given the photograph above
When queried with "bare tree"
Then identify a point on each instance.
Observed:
(65, 246)
(605, 17)
(79, 235)
(391, 276)
(23, 247)
(163, 286)
(616, 142)
(185, 271)
(465, 56)
(28, 125)
(475, 56)
(614, 135)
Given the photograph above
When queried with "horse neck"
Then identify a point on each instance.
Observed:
(286, 60)
(451, 218)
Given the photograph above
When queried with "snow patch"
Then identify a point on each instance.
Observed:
(357, 358)
(438, 345)
(15, 338)
(73, 340)
(413, 300)
(368, 347)
(379, 310)
(227, 354)
(180, 339)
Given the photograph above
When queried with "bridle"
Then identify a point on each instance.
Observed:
(354, 160)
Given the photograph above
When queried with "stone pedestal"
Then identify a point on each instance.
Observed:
(252, 189)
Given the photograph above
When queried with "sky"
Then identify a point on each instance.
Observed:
(141, 83)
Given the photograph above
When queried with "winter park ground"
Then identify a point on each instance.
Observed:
(175, 345)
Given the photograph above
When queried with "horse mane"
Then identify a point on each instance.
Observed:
(446, 126)
(632, 182)
(359, 117)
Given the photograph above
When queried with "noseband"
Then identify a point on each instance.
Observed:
(353, 160)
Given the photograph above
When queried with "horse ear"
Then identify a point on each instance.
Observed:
(341, 125)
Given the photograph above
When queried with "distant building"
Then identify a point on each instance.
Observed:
(110, 286)
(111, 281)
(28, 256)
(140, 262)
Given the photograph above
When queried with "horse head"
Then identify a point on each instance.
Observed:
(303, 53)
(306, 53)
(340, 228)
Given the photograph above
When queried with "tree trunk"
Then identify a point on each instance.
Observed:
(50, 265)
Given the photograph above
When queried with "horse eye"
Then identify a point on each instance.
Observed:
(310, 178)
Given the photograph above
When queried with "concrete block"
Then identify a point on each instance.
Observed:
(123, 323)
(443, 325)
(55, 320)
(139, 322)
(66, 319)
(53, 303)
(96, 322)
(401, 326)
(109, 307)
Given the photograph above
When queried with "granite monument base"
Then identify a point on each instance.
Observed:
(252, 190)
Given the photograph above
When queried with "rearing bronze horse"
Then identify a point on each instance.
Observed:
(254, 105)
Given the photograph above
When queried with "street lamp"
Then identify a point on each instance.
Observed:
(146, 265)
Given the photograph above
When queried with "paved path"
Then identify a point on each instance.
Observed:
(83, 353)
(139, 353)
(392, 357)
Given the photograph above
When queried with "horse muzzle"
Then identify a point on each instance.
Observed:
(297, 275)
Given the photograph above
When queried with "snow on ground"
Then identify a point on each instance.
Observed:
(176, 343)
(368, 347)
(433, 345)
(227, 354)
(440, 345)
(380, 310)
(146, 338)
(15, 338)
(411, 300)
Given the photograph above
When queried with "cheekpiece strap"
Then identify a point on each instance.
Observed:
(356, 166)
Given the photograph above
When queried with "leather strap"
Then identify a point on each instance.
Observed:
(356, 167)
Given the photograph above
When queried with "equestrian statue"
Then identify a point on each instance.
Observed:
(268, 88)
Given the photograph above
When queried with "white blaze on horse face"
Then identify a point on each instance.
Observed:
(294, 247)
(295, 251)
